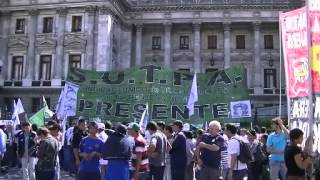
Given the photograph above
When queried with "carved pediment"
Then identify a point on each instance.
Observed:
(75, 39)
(44, 40)
(18, 41)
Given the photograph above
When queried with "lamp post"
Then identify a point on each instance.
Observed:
(212, 59)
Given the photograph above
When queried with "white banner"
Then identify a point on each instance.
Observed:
(68, 102)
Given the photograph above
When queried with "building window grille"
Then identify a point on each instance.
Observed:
(240, 42)
(212, 42)
(270, 80)
(76, 23)
(75, 61)
(20, 26)
(48, 25)
(184, 70)
(36, 106)
(45, 67)
(156, 43)
(17, 68)
(184, 42)
(268, 42)
(211, 70)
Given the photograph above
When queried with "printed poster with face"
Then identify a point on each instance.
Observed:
(240, 109)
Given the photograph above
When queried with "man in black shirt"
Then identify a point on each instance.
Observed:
(79, 132)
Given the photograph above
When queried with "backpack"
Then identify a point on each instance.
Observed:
(245, 155)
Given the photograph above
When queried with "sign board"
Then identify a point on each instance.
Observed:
(123, 95)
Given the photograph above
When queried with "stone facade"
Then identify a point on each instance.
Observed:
(118, 34)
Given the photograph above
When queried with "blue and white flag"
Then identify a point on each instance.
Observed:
(68, 101)
(144, 119)
(193, 96)
(18, 109)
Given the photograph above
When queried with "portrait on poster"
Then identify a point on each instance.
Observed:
(240, 109)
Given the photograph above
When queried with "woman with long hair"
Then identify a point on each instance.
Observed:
(296, 160)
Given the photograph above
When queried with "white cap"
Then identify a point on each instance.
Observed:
(101, 126)
(186, 127)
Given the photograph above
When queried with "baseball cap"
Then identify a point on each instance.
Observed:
(101, 126)
(134, 126)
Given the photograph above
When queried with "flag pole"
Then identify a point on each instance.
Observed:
(310, 88)
(280, 82)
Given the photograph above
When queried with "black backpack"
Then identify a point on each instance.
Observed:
(245, 155)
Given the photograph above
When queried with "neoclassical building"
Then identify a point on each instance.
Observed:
(40, 39)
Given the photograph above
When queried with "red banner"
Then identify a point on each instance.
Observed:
(295, 50)
(314, 9)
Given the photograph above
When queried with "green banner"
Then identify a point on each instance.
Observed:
(123, 95)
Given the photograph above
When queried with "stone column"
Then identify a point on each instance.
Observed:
(59, 60)
(32, 30)
(227, 48)
(90, 10)
(5, 29)
(167, 44)
(138, 44)
(104, 40)
(257, 60)
(197, 47)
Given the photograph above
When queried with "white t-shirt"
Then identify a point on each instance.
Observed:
(69, 135)
(102, 136)
(234, 148)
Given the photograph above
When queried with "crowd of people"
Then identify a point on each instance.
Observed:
(119, 151)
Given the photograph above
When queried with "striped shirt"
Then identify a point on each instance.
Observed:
(140, 147)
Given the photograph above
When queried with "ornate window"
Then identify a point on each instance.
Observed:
(268, 42)
(240, 42)
(17, 68)
(212, 42)
(184, 42)
(47, 25)
(75, 61)
(45, 67)
(20, 26)
(76, 23)
(270, 80)
(156, 43)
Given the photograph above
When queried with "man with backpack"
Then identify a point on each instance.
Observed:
(239, 155)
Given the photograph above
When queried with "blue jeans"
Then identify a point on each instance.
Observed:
(277, 167)
(237, 174)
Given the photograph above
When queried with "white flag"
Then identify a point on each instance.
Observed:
(68, 101)
(18, 109)
(193, 96)
(47, 112)
(144, 119)
(58, 105)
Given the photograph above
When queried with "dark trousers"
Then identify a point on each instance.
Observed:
(89, 175)
(10, 157)
(238, 174)
(178, 172)
(156, 172)
(45, 175)
(254, 171)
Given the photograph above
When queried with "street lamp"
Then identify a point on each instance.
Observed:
(212, 59)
